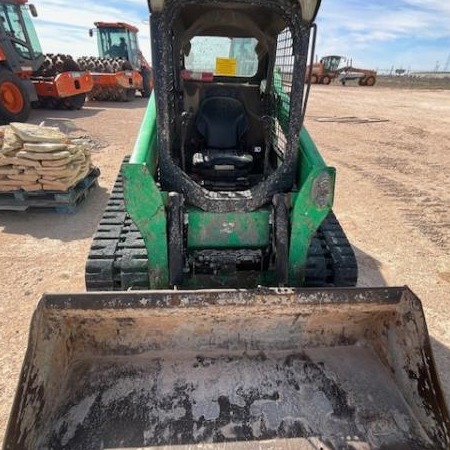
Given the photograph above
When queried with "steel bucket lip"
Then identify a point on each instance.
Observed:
(229, 297)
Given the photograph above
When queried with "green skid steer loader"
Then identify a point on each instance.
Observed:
(207, 338)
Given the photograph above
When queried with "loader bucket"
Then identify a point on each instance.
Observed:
(267, 368)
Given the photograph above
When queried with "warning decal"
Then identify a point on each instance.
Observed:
(226, 67)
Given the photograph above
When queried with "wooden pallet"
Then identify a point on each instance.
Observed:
(59, 201)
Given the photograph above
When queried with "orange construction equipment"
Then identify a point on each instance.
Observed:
(22, 80)
(62, 87)
(120, 85)
(121, 69)
(331, 67)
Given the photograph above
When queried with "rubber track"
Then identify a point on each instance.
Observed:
(331, 259)
(117, 259)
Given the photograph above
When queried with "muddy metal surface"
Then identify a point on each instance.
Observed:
(393, 200)
(351, 368)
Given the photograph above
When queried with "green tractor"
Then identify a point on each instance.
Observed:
(225, 187)
(224, 212)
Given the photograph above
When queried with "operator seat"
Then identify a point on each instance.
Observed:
(222, 123)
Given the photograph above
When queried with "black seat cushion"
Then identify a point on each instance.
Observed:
(222, 122)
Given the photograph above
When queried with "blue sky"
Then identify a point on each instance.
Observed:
(63, 25)
(383, 33)
(375, 34)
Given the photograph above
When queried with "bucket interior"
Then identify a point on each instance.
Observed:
(229, 368)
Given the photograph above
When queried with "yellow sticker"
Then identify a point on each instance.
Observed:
(226, 67)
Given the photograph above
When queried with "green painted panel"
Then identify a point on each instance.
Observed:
(145, 203)
(309, 156)
(306, 217)
(314, 199)
(145, 150)
(146, 206)
(228, 230)
(310, 205)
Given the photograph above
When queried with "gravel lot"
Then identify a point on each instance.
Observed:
(392, 197)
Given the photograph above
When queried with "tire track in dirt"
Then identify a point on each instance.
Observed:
(407, 168)
(393, 192)
(426, 213)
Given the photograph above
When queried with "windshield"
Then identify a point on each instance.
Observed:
(331, 63)
(20, 29)
(117, 43)
(223, 56)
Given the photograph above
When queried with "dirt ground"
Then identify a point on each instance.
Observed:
(392, 197)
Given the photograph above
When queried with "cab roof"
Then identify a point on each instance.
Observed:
(122, 25)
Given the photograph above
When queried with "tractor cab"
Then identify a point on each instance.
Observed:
(19, 42)
(223, 140)
(118, 40)
(332, 63)
(227, 127)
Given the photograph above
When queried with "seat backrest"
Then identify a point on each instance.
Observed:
(222, 122)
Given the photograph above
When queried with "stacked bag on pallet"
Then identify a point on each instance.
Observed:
(35, 158)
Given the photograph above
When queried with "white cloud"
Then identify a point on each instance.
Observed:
(370, 33)
(63, 26)
(404, 32)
